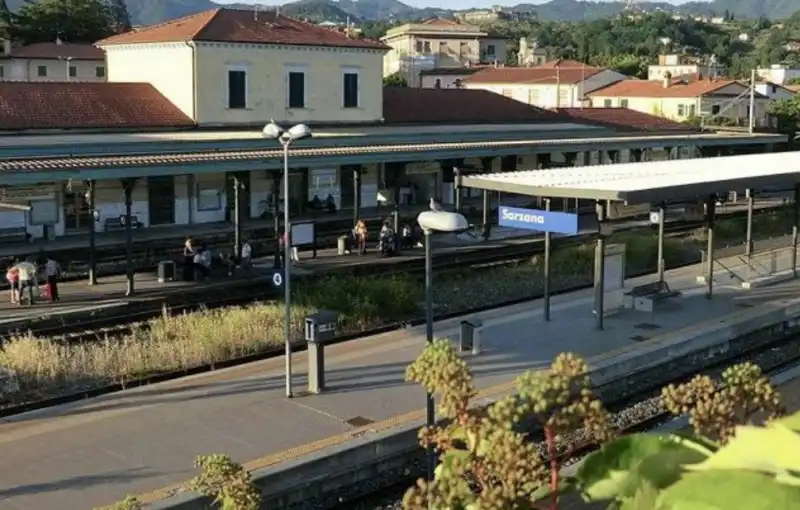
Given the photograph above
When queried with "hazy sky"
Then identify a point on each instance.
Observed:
(447, 4)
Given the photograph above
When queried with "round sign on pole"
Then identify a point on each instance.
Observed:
(277, 279)
(655, 217)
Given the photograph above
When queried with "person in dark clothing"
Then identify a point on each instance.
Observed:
(188, 260)
(52, 272)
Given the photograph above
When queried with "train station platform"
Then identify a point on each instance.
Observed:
(95, 452)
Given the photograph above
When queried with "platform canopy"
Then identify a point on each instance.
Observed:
(652, 181)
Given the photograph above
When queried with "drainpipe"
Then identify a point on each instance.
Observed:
(194, 79)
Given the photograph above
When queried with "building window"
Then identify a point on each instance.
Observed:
(100, 72)
(681, 110)
(209, 197)
(715, 109)
(73, 71)
(607, 103)
(623, 103)
(692, 110)
(297, 89)
(533, 96)
(419, 46)
(237, 89)
(41, 71)
(490, 50)
(427, 47)
(350, 88)
(508, 92)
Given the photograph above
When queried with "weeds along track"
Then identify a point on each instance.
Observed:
(639, 411)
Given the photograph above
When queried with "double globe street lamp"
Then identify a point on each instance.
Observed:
(286, 137)
(430, 222)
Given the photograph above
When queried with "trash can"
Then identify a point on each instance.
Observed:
(341, 245)
(468, 340)
(166, 271)
(320, 329)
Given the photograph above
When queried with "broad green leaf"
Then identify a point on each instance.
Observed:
(446, 462)
(791, 422)
(621, 466)
(728, 490)
(458, 433)
(643, 499)
(565, 484)
(773, 450)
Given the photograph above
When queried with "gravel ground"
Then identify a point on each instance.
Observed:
(391, 499)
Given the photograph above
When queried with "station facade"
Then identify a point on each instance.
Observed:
(181, 147)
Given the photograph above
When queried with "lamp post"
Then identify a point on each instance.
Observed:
(286, 137)
(430, 222)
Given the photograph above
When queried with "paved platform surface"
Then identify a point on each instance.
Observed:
(93, 453)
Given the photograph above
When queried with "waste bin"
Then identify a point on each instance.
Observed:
(320, 329)
(341, 245)
(166, 271)
(468, 340)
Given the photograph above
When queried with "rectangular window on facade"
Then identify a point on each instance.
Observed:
(100, 72)
(623, 103)
(427, 47)
(419, 46)
(350, 99)
(681, 110)
(297, 89)
(237, 89)
(715, 109)
(73, 71)
(490, 50)
(209, 197)
(533, 96)
(508, 92)
(607, 103)
(692, 110)
(41, 71)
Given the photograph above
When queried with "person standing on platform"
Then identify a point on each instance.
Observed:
(361, 236)
(246, 259)
(188, 260)
(281, 255)
(28, 280)
(52, 272)
(12, 275)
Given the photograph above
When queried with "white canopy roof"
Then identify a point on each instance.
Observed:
(652, 181)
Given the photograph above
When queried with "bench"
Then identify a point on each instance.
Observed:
(645, 297)
(118, 223)
(14, 234)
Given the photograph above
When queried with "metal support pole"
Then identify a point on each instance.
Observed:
(91, 184)
(546, 270)
(661, 214)
(748, 248)
(711, 214)
(751, 117)
(457, 188)
(128, 185)
(287, 270)
(276, 219)
(429, 404)
(237, 223)
(486, 227)
(795, 226)
(356, 194)
(599, 267)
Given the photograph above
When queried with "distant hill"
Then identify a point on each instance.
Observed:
(153, 11)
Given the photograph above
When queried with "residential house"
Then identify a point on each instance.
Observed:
(447, 77)
(530, 54)
(778, 73)
(226, 67)
(676, 66)
(774, 91)
(554, 84)
(438, 43)
(54, 61)
(715, 101)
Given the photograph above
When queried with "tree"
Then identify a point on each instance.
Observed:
(5, 20)
(72, 21)
(394, 80)
(120, 17)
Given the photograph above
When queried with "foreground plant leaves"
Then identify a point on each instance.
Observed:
(728, 490)
(629, 463)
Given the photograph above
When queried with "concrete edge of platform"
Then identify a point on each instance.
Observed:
(373, 451)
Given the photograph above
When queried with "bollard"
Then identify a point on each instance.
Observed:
(320, 329)
(476, 341)
(467, 338)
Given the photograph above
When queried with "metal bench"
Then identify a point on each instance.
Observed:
(645, 297)
(14, 234)
(118, 223)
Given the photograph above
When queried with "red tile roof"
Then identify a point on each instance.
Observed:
(562, 64)
(648, 88)
(71, 105)
(534, 75)
(53, 51)
(241, 26)
(622, 119)
(403, 105)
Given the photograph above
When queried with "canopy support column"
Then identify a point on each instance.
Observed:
(276, 216)
(356, 194)
(128, 184)
(748, 247)
(237, 215)
(91, 185)
(661, 213)
(795, 226)
(599, 266)
(711, 213)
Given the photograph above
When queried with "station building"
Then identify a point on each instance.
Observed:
(177, 128)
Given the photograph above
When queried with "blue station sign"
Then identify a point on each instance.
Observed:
(535, 219)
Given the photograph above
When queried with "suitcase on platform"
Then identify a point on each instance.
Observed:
(47, 292)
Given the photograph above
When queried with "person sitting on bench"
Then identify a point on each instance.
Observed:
(330, 204)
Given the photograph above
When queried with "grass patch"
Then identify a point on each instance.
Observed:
(45, 368)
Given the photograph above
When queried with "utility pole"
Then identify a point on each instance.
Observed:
(751, 125)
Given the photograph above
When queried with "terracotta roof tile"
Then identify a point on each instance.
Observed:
(53, 105)
(241, 26)
(54, 51)
(793, 88)
(403, 105)
(534, 75)
(562, 64)
(452, 71)
(647, 88)
(623, 119)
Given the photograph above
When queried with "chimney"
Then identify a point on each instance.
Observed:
(667, 79)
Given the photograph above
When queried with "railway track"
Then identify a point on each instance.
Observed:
(638, 412)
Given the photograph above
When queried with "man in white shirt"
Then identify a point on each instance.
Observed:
(246, 255)
(52, 271)
(28, 280)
